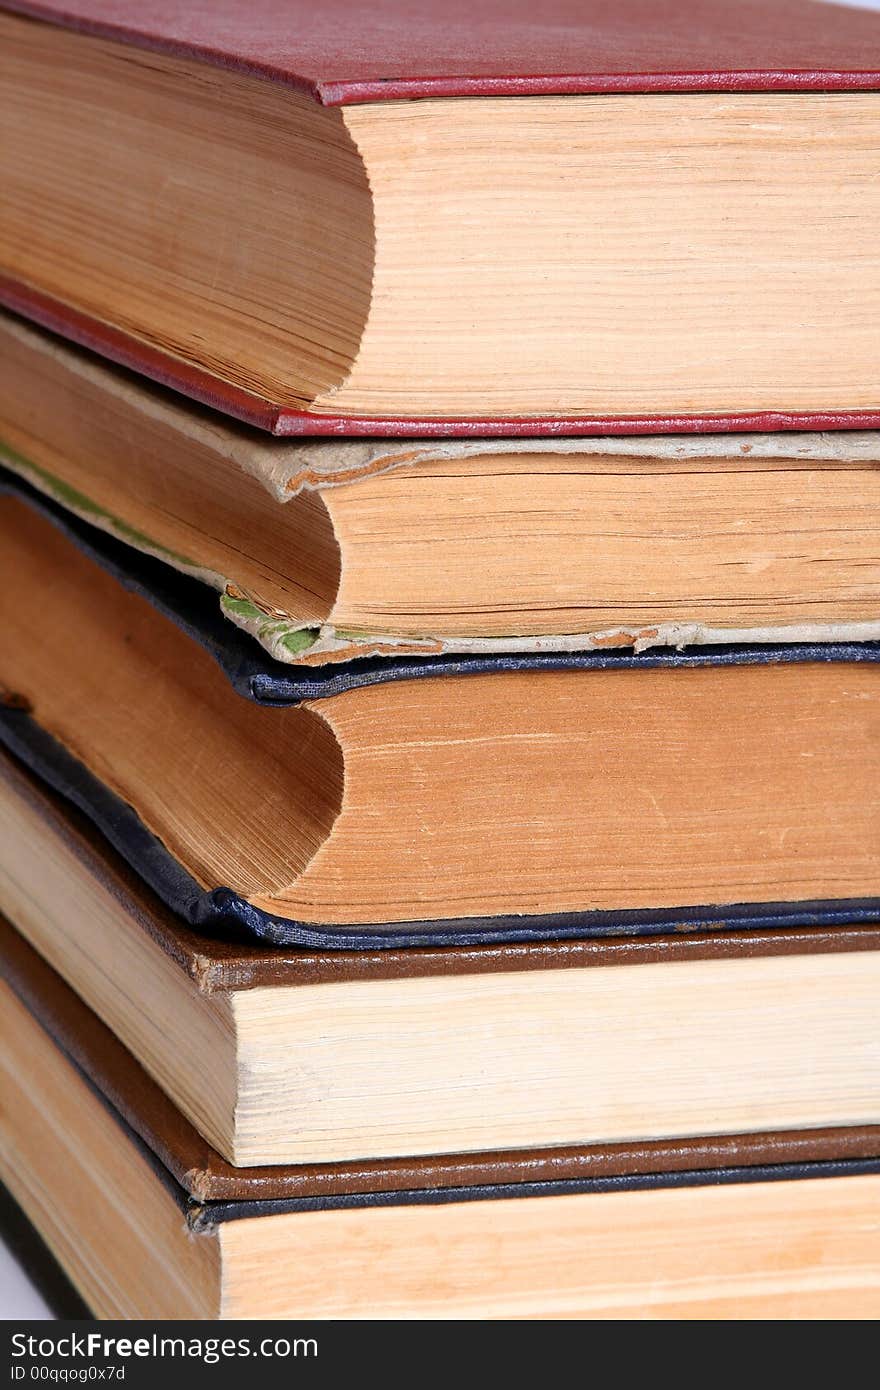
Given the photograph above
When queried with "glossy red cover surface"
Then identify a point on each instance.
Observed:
(346, 51)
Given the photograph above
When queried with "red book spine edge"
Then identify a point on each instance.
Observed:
(242, 405)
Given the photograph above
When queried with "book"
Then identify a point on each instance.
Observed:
(530, 1048)
(340, 220)
(36, 1261)
(399, 807)
(330, 550)
(662, 1239)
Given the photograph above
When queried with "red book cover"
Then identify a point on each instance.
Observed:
(347, 52)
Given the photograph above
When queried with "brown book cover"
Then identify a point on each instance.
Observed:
(205, 1177)
(99, 1163)
(212, 1189)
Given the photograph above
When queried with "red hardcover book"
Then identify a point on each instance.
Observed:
(657, 215)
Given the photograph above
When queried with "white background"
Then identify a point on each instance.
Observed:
(18, 1297)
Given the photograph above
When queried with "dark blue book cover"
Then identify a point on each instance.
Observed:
(257, 678)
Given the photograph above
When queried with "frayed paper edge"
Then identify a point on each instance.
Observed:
(295, 644)
(327, 645)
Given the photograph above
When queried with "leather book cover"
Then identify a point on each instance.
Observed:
(341, 54)
(257, 677)
(212, 1190)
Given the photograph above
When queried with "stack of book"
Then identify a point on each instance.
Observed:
(441, 606)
